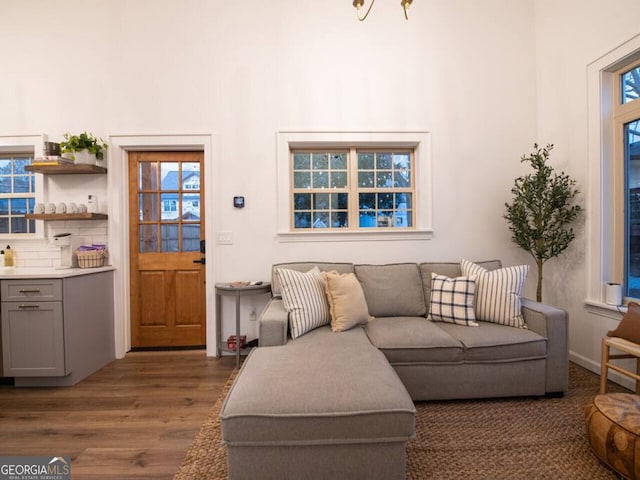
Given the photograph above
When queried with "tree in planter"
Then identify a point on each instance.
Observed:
(542, 210)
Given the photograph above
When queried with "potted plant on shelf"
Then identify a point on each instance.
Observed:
(83, 148)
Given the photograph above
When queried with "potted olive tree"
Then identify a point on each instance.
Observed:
(542, 210)
(83, 148)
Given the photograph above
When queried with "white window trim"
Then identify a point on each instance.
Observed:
(419, 141)
(601, 165)
(27, 143)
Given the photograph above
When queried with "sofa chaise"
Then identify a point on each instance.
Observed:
(340, 405)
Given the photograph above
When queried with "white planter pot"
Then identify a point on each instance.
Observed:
(84, 157)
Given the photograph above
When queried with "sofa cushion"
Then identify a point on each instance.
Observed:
(276, 291)
(346, 301)
(491, 342)
(393, 290)
(413, 340)
(452, 300)
(321, 388)
(305, 299)
(498, 293)
(449, 269)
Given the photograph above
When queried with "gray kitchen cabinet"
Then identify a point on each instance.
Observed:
(56, 331)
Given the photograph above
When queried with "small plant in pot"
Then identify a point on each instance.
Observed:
(83, 148)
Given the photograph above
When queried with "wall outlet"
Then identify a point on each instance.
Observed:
(252, 314)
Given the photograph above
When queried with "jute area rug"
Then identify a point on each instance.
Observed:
(519, 438)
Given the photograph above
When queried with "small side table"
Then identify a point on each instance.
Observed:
(630, 349)
(226, 290)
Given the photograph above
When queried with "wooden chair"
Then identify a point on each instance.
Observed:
(630, 349)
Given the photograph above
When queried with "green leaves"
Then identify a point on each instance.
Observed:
(542, 210)
(75, 143)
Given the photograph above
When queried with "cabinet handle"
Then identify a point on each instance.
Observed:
(29, 306)
(36, 290)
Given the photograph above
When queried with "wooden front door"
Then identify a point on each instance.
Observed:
(166, 225)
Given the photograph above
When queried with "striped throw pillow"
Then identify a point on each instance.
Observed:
(452, 300)
(498, 293)
(304, 298)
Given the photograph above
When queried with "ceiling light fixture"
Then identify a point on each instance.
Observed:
(360, 3)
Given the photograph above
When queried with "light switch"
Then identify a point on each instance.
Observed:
(224, 238)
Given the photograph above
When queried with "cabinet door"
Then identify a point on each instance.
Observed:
(33, 339)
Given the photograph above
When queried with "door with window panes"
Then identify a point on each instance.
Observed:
(166, 224)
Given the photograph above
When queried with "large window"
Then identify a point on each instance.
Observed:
(17, 193)
(627, 125)
(352, 189)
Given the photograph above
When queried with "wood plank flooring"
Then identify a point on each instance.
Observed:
(134, 419)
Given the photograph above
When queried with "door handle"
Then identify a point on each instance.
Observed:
(202, 261)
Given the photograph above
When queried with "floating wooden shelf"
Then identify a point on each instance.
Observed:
(66, 216)
(66, 169)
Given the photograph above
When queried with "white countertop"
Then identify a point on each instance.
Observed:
(24, 272)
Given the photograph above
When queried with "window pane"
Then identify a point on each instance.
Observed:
(18, 225)
(169, 235)
(190, 206)
(367, 219)
(338, 179)
(365, 179)
(21, 184)
(302, 180)
(5, 166)
(321, 201)
(630, 85)
(169, 175)
(384, 180)
(339, 161)
(339, 219)
(148, 175)
(302, 219)
(4, 225)
(5, 184)
(301, 161)
(320, 161)
(19, 164)
(367, 201)
(148, 238)
(365, 161)
(321, 220)
(302, 201)
(169, 206)
(383, 161)
(18, 206)
(191, 176)
(339, 201)
(320, 180)
(148, 207)
(4, 206)
(191, 237)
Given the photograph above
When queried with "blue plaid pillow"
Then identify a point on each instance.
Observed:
(452, 300)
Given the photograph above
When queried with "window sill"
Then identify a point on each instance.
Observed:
(604, 309)
(353, 236)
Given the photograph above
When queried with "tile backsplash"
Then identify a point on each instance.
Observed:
(41, 253)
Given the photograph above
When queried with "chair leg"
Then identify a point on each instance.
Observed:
(604, 367)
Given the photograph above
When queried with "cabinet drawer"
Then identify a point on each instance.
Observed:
(45, 290)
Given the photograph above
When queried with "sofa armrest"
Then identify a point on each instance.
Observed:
(553, 324)
(272, 324)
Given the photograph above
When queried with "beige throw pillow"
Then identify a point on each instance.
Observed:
(347, 304)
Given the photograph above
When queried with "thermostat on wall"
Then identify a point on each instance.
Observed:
(238, 202)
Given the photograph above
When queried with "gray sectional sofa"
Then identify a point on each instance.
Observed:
(340, 405)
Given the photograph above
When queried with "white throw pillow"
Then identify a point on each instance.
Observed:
(452, 300)
(498, 293)
(304, 298)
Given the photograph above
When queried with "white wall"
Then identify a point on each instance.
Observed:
(471, 73)
(570, 36)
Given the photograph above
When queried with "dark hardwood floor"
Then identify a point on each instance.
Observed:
(134, 419)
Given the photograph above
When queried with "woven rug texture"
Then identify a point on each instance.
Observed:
(515, 438)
